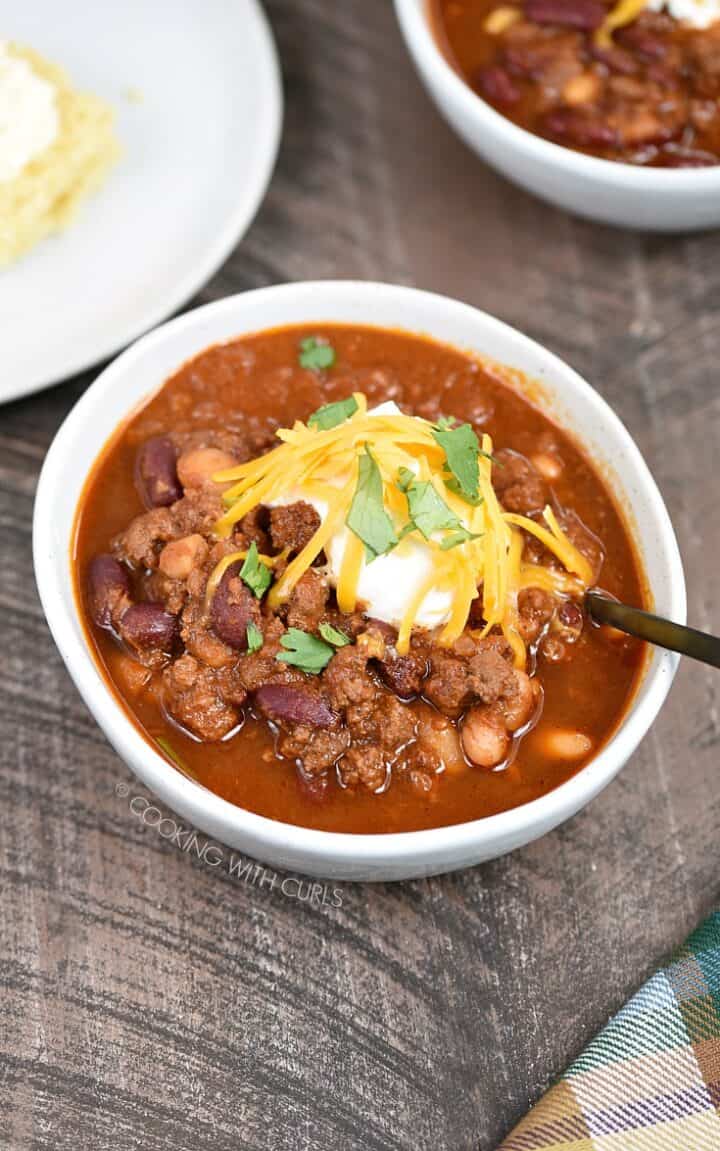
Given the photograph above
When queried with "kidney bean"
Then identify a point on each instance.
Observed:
(147, 628)
(584, 14)
(570, 615)
(570, 621)
(108, 589)
(616, 60)
(232, 608)
(574, 127)
(285, 702)
(498, 86)
(156, 475)
(642, 42)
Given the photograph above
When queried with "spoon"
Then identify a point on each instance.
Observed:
(653, 628)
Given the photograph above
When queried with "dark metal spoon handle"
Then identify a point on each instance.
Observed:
(654, 629)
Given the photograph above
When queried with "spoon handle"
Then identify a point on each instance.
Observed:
(654, 629)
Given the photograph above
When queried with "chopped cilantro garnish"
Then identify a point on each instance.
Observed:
(367, 518)
(331, 635)
(461, 536)
(462, 449)
(405, 479)
(453, 486)
(170, 751)
(254, 638)
(428, 511)
(330, 415)
(316, 355)
(305, 651)
(255, 573)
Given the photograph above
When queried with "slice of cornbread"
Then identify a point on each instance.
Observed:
(45, 194)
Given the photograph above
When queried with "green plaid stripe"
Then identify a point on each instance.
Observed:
(650, 1081)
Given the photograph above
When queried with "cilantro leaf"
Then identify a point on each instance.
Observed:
(331, 635)
(330, 415)
(405, 479)
(255, 573)
(462, 449)
(254, 638)
(428, 511)
(305, 651)
(316, 354)
(367, 518)
(453, 486)
(461, 536)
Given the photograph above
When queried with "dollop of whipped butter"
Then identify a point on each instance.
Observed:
(696, 13)
(28, 114)
(390, 582)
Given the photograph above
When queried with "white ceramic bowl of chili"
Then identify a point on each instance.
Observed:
(649, 199)
(136, 374)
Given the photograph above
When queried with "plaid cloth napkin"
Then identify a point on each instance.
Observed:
(650, 1081)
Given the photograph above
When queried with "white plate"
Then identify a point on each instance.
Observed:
(199, 142)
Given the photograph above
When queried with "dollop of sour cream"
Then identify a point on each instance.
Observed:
(387, 584)
(696, 13)
(28, 114)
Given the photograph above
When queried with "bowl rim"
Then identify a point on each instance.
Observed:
(415, 23)
(194, 801)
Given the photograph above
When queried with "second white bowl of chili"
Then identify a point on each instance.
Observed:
(633, 195)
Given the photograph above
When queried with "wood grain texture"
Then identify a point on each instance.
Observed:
(150, 1000)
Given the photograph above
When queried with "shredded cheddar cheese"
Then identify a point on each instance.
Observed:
(329, 465)
(624, 12)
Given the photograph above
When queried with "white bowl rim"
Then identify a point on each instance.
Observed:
(186, 795)
(414, 19)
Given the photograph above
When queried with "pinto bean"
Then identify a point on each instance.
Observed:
(156, 477)
(581, 89)
(519, 708)
(484, 737)
(148, 629)
(179, 557)
(584, 14)
(285, 702)
(500, 19)
(108, 589)
(563, 743)
(440, 737)
(549, 466)
(233, 607)
(197, 466)
(553, 649)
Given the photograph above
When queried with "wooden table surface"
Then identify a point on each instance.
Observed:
(149, 999)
